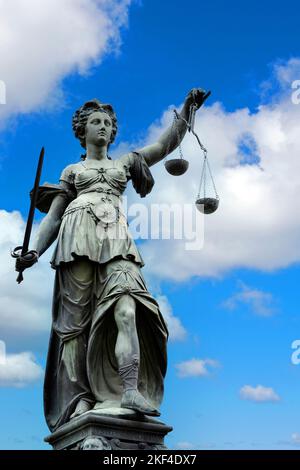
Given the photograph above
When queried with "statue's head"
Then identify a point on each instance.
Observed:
(85, 115)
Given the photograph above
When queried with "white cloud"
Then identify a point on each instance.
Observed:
(175, 327)
(296, 438)
(258, 394)
(19, 370)
(44, 41)
(195, 367)
(25, 309)
(185, 445)
(255, 160)
(260, 302)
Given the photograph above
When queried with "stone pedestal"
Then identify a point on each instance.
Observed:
(110, 430)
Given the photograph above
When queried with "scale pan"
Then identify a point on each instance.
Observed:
(176, 166)
(207, 205)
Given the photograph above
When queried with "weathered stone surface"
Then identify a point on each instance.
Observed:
(97, 431)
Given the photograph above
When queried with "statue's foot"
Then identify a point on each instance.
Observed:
(81, 407)
(133, 400)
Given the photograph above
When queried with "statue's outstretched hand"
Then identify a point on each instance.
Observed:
(196, 96)
(27, 260)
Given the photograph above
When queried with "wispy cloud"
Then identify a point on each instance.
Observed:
(259, 394)
(176, 329)
(195, 367)
(185, 445)
(260, 302)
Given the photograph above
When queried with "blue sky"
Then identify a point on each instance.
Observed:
(237, 300)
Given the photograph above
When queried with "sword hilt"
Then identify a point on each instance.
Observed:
(20, 277)
(18, 253)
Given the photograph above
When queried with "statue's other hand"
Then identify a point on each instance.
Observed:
(27, 260)
(197, 96)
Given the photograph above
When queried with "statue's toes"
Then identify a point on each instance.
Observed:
(82, 407)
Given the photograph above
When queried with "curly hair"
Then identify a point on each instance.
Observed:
(80, 118)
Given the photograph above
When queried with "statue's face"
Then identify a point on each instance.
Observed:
(98, 129)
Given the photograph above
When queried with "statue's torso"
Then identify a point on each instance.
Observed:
(90, 177)
(94, 223)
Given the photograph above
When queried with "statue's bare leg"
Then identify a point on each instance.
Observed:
(128, 356)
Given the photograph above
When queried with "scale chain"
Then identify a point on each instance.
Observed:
(213, 181)
(178, 136)
(190, 127)
(206, 162)
(169, 140)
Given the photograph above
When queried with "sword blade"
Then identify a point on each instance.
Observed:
(33, 203)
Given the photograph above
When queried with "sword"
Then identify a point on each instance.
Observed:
(20, 251)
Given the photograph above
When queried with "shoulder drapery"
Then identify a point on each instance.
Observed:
(141, 176)
(47, 192)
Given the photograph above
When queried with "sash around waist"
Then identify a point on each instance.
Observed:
(100, 190)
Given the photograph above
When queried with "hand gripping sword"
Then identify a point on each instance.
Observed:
(20, 251)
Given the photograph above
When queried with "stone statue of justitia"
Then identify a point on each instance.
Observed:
(108, 339)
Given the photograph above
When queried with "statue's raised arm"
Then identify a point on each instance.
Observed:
(171, 138)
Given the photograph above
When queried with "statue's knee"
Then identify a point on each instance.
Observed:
(124, 314)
